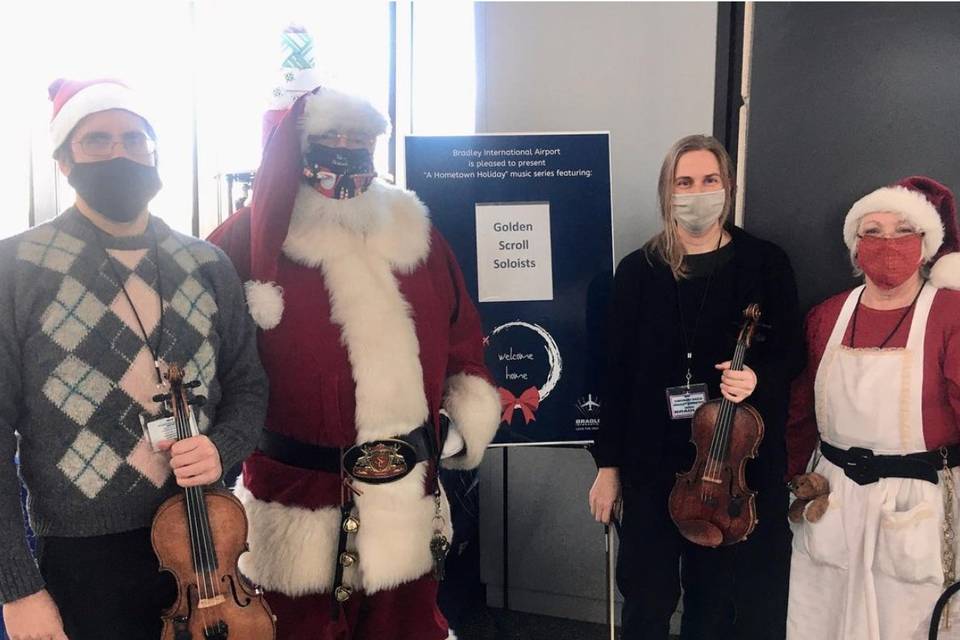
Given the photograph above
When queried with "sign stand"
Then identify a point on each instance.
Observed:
(528, 217)
(609, 555)
(506, 529)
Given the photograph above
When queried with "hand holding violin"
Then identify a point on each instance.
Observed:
(736, 386)
(195, 460)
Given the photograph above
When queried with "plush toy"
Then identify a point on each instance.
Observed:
(812, 493)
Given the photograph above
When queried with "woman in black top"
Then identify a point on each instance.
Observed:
(677, 306)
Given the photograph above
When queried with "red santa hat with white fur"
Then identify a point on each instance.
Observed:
(74, 100)
(278, 180)
(930, 207)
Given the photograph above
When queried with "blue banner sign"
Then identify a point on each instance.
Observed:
(529, 219)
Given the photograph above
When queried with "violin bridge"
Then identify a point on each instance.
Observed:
(206, 603)
(712, 480)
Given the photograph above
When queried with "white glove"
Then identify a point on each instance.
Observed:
(454, 443)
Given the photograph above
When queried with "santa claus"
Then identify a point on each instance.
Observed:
(367, 333)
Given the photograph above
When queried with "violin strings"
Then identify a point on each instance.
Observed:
(203, 524)
(208, 546)
(183, 426)
(718, 444)
(731, 408)
(726, 412)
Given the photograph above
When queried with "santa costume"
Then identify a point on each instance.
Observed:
(366, 331)
(885, 409)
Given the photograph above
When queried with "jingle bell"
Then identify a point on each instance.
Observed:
(351, 524)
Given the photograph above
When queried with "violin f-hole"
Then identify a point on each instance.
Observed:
(233, 590)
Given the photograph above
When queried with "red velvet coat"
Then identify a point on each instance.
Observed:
(367, 332)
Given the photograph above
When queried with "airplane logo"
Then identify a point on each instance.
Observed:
(588, 406)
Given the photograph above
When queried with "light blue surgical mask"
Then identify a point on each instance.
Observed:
(696, 212)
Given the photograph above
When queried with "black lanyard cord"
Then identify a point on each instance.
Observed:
(689, 344)
(154, 351)
(906, 312)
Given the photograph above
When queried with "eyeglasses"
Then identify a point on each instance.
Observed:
(349, 140)
(101, 145)
(899, 233)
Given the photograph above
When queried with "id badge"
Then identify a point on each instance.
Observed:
(158, 429)
(683, 401)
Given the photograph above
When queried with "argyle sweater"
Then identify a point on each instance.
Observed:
(76, 373)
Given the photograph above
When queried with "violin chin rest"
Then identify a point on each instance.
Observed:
(701, 532)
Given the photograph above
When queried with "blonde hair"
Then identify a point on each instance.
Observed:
(666, 245)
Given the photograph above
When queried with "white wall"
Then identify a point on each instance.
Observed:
(644, 72)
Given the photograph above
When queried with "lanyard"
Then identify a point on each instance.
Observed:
(853, 323)
(154, 350)
(688, 344)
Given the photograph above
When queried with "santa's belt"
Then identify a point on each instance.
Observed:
(374, 462)
(865, 467)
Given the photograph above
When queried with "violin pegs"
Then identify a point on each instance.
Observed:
(192, 385)
(198, 401)
(161, 397)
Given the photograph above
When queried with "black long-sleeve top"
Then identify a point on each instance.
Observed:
(647, 353)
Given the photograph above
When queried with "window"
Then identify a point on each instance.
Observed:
(208, 67)
(444, 86)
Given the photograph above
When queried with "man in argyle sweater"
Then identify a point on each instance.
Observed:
(88, 303)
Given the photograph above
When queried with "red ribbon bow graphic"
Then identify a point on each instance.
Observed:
(528, 402)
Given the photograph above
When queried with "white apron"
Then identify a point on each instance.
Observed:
(870, 569)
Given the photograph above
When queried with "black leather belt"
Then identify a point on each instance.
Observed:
(865, 467)
(374, 462)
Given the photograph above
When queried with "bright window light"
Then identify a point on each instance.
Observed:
(444, 85)
(225, 57)
(144, 43)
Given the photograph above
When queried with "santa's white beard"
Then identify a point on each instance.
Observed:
(361, 214)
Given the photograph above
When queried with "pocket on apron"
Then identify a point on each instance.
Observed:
(825, 541)
(908, 544)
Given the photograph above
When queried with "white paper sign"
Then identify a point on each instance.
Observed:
(514, 257)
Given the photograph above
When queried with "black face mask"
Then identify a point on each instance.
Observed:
(338, 172)
(118, 189)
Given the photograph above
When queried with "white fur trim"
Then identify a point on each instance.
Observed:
(392, 222)
(945, 273)
(912, 205)
(474, 407)
(293, 550)
(265, 302)
(396, 524)
(91, 99)
(365, 299)
(330, 110)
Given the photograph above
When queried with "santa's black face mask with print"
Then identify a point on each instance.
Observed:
(338, 172)
(118, 189)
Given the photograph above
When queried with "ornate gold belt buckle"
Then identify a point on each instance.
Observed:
(380, 461)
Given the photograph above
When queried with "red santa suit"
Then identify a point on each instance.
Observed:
(367, 332)
(874, 565)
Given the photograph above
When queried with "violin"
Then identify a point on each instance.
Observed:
(198, 537)
(711, 503)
